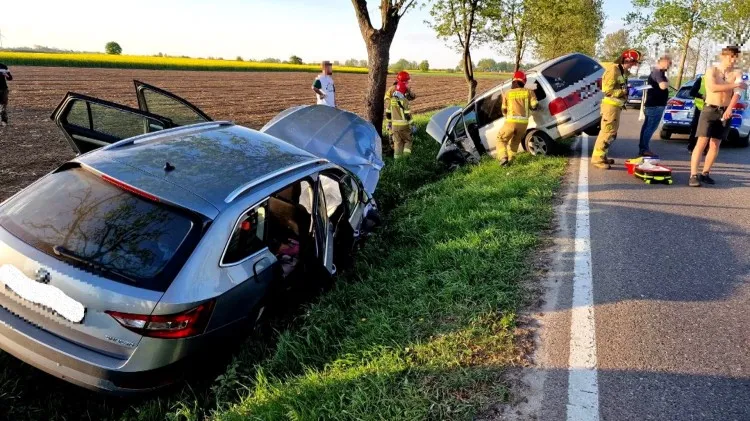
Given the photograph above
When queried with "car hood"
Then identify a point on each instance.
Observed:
(339, 136)
(438, 125)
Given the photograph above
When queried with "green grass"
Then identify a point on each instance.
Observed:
(422, 327)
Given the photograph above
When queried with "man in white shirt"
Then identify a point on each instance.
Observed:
(324, 87)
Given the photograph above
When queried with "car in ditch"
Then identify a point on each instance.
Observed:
(170, 233)
(568, 89)
(678, 115)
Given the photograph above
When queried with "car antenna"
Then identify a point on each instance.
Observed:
(168, 167)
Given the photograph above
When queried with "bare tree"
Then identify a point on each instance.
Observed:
(378, 42)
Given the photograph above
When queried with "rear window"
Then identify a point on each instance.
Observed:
(684, 92)
(81, 219)
(636, 82)
(570, 71)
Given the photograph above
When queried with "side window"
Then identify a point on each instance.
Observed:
(332, 191)
(539, 91)
(490, 108)
(570, 71)
(179, 113)
(248, 237)
(351, 192)
(79, 115)
(470, 116)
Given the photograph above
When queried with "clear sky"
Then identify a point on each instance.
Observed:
(313, 30)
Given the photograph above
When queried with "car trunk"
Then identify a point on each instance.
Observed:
(74, 247)
(336, 135)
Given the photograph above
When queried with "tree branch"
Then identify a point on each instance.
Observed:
(363, 15)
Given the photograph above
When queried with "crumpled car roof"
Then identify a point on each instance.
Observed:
(340, 136)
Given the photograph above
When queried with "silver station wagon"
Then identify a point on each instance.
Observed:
(171, 232)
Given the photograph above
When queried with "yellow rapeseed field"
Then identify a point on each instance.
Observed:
(150, 62)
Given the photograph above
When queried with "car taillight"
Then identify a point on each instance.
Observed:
(557, 106)
(740, 107)
(599, 83)
(675, 103)
(182, 325)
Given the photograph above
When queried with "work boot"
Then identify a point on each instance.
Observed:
(604, 165)
(504, 162)
(705, 178)
(694, 181)
(647, 153)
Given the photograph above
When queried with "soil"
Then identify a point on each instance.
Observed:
(32, 145)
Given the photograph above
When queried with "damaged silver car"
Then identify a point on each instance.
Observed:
(569, 92)
(170, 233)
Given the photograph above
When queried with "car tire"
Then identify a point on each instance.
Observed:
(538, 143)
(665, 134)
(744, 142)
(593, 131)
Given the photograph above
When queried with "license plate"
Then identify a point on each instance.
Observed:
(45, 295)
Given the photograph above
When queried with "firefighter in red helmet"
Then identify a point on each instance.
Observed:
(518, 103)
(615, 88)
(398, 117)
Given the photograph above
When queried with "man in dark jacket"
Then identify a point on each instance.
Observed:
(4, 77)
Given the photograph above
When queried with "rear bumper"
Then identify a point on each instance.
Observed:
(575, 128)
(677, 128)
(81, 366)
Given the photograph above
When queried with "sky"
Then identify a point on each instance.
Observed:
(254, 29)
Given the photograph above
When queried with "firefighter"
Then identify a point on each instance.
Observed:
(398, 116)
(400, 77)
(615, 88)
(517, 106)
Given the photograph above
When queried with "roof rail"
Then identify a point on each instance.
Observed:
(247, 186)
(161, 133)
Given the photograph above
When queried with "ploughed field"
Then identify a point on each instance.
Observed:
(32, 145)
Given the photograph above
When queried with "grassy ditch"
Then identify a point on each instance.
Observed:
(421, 328)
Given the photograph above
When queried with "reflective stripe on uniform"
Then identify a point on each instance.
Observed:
(517, 119)
(617, 102)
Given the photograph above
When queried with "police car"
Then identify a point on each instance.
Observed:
(680, 110)
(635, 92)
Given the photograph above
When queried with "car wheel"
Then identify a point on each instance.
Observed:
(744, 142)
(665, 135)
(593, 131)
(538, 143)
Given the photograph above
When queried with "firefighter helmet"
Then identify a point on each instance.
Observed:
(631, 56)
(401, 87)
(403, 76)
(519, 76)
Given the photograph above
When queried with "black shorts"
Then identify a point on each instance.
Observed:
(710, 124)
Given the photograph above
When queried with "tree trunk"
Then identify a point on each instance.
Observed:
(469, 74)
(378, 53)
(685, 48)
(519, 51)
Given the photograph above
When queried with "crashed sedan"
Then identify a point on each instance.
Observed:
(170, 232)
(568, 89)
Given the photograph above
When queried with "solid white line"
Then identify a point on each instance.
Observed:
(583, 387)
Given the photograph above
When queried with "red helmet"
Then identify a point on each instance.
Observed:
(403, 76)
(519, 76)
(631, 56)
(401, 87)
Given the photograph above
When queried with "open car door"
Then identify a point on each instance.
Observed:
(166, 104)
(89, 123)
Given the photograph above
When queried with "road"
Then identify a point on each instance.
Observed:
(665, 333)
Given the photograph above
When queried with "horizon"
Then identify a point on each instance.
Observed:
(222, 35)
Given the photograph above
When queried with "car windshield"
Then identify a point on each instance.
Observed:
(570, 71)
(81, 219)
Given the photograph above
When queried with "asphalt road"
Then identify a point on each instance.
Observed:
(671, 289)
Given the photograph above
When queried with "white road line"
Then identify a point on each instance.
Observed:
(583, 387)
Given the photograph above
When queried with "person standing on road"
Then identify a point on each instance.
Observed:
(398, 117)
(655, 103)
(723, 88)
(615, 88)
(517, 106)
(5, 76)
(324, 87)
(698, 92)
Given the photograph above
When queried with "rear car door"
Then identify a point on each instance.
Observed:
(324, 230)
(89, 123)
(160, 102)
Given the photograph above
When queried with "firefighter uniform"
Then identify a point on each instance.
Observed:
(517, 106)
(398, 116)
(614, 85)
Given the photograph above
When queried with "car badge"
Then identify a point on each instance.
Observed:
(42, 276)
